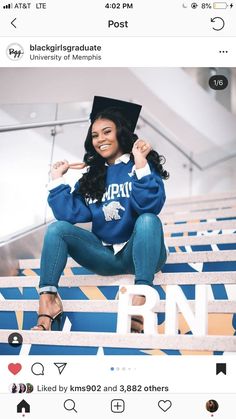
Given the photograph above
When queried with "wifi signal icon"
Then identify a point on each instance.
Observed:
(8, 6)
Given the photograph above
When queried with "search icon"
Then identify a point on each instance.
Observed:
(37, 368)
(69, 405)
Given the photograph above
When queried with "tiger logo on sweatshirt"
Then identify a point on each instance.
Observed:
(111, 210)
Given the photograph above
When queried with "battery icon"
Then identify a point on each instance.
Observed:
(220, 5)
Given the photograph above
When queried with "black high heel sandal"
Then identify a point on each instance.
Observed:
(56, 321)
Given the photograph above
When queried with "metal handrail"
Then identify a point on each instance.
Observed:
(9, 128)
(189, 158)
(62, 122)
(19, 127)
(170, 142)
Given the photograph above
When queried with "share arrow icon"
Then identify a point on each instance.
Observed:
(61, 366)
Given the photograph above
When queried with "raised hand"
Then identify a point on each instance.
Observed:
(140, 150)
(59, 169)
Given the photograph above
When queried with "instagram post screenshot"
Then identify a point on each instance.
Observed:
(118, 209)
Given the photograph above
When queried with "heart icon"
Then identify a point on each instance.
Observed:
(164, 405)
(14, 368)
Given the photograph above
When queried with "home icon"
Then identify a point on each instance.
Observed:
(23, 405)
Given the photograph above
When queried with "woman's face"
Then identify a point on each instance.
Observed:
(105, 141)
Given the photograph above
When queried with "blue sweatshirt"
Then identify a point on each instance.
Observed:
(126, 197)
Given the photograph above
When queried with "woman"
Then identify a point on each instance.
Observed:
(29, 388)
(13, 388)
(121, 193)
(22, 388)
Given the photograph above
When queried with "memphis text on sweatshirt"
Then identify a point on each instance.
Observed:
(126, 197)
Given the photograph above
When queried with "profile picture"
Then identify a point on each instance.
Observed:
(212, 406)
(29, 388)
(22, 388)
(13, 388)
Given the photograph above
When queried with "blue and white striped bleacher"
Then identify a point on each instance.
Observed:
(200, 234)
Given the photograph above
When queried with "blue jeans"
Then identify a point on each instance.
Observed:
(143, 255)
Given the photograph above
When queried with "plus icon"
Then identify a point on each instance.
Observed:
(117, 405)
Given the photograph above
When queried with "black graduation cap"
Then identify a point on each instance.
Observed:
(130, 111)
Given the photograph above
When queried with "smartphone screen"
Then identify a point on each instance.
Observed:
(118, 208)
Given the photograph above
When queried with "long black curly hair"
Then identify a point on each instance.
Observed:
(93, 183)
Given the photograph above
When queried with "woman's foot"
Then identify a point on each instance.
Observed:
(50, 310)
(137, 321)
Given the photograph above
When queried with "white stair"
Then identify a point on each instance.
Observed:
(202, 216)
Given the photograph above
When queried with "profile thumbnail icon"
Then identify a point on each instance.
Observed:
(212, 406)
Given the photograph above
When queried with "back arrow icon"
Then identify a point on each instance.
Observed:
(223, 23)
(12, 22)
